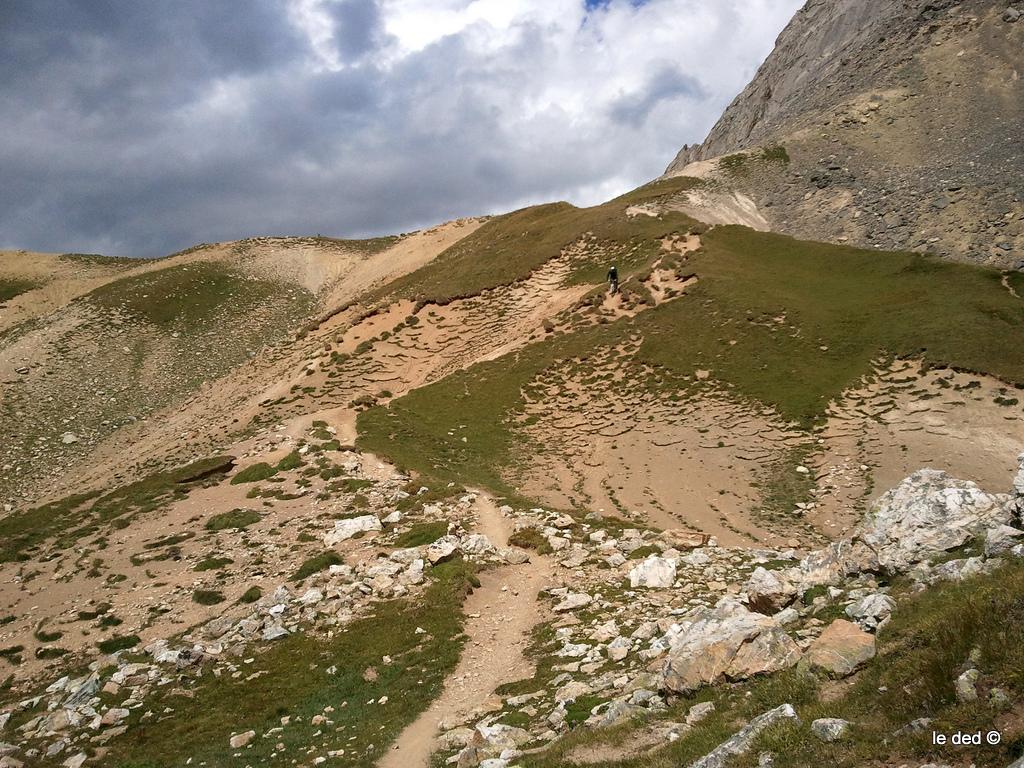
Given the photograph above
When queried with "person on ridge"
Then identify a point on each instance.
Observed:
(613, 279)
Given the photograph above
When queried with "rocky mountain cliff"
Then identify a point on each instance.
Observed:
(899, 123)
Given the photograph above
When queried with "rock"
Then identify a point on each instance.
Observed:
(114, 716)
(841, 649)
(492, 740)
(966, 686)
(726, 641)
(830, 729)
(1010, 15)
(698, 712)
(1002, 539)
(741, 741)
(241, 739)
(571, 691)
(442, 549)
(346, 529)
(69, 438)
(274, 632)
(871, 611)
(619, 648)
(393, 518)
(576, 557)
(769, 591)
(513, 555)
(654, 573)
(76, 761)
(572, 601)
(925, 515)
(476, 544)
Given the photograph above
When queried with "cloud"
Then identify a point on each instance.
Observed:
(142, 128)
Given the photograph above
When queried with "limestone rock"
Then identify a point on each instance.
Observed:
(724, 642)
(346, 529)
(1002, 539)
(769, 591)
(572, 601)
(239, 740)
(925, 515)
(841, 649)
(830, 729)
(871, 611)
(740, 742)
(654, 573)
(442, 549)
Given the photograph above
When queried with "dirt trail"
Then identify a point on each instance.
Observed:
(501, 614)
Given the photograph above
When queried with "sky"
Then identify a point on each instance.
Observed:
(139, 127)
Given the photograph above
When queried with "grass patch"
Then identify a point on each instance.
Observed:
(236, 519)
(251, 595)
(213, 563)
(291, 677)
(207, 597)
(186, 296)
(11, 288)
(530, 538)
(781, 322)
(292, 461)
(316, 564)
(421, 534)
(80, 515)
(115, 644)
(254, 473)
(507, 248)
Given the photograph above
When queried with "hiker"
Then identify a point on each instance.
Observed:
(613, 279)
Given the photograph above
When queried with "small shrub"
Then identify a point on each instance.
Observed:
(421, 534)
(236, 519)
(207, 597)
(213, 563)
(115, 644)
(251, 595)
(292, 461)
(254, 473)
(316, 564)
(530, 538)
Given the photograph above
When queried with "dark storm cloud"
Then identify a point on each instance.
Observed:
(664, 84)
(137, 127)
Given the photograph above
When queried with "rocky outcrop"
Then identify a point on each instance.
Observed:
(897, 121)
(841, 649)
(806, 69)
(741, 741)
(726, 642)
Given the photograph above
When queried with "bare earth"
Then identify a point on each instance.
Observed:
(501, 614)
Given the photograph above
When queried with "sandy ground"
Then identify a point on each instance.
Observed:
(501, 614)
(676, 464)
(902, 419)
(199, 425)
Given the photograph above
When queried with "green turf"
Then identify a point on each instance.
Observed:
(507, 248)
(236, 519)
(292, 677)
(316, 564)
(10, 288)
(784, 323)
(74, 517)
(421, 534)
(185, 296)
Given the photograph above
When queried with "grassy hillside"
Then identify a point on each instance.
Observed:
(10, 288)
(788, 324)
(509, 247)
